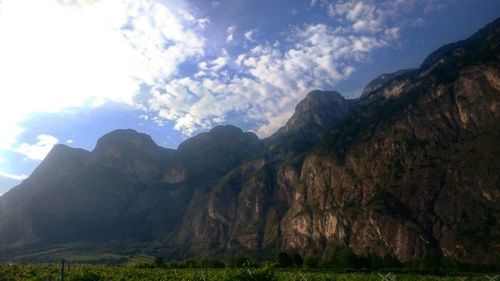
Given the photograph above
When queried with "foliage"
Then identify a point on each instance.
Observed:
(297, 260)
(124, 273)
(249, 274)
(84, 275)
(284, 260)
(158, 262)
(311, 262)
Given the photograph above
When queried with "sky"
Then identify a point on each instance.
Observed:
(73, 70)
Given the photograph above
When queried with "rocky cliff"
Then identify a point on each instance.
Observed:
(409, 168)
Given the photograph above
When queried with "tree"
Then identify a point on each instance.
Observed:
(158, 262)
(344, 257)
(284, 260)
(297, 260)
(311, 262)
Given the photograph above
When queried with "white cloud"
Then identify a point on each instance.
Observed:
(38, 150)
(249, 34)
(382, 16)
(363, 16)
(13, 176)
(70, 141)
(92, 52)
(66, 54)
(202, 23)
(267, 82)
(230, 33)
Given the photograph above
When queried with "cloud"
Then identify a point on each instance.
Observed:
(91, 52)
(70, 141)
(363, 16)
(249, 34)
(13, 176)
(230, 33)
(202, 23)
(384, 16)
(38, 150)
(265, 83)
(69, 54)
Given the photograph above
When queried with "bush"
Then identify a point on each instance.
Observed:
(158, 262)
(251, 275)
(344, 257)
(211, 263)
(84, 276)
(284, 260)
(311, 262)
(297, 260)
(242, 262)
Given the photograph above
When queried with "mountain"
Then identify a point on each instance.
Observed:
(409, 170)
(383, 81)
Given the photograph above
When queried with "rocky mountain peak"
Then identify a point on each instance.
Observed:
(61, 157)
(125, 138)
(382, 81)
(315, 114)
(218, 150)
(219, 136)
(317, 99)
(123, 142)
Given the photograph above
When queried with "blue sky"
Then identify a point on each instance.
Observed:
(73, 70)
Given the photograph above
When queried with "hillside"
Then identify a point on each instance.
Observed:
(407, 170)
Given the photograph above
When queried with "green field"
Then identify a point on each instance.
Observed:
(121, 273)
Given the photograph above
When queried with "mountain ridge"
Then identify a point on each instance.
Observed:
(406, 170)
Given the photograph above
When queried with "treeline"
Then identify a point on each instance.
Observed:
(343, 260)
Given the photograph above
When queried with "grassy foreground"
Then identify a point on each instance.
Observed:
(122, 273)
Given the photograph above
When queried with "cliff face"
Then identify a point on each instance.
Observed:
(411, 169)
(408, 168)
(424, 181)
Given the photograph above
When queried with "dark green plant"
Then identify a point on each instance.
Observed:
(311, 262)
(84, 276)
(158, 262)
(284, 260)
(249, 274)
(297, 260)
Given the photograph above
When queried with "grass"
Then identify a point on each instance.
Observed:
(14, 272)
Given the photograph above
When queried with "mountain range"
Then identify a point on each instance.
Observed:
(409, 168)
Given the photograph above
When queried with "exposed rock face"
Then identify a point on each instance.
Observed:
(316, 114)
(383, 80)
(313, 116)
(392, 177)
(408, 168)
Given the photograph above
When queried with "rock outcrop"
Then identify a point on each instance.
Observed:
(409, 168)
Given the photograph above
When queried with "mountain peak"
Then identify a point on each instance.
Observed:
(125, 143)
(217, 136)
(318, 98)
(125, 138)
(315, 113)
(226, 129)
(382, 80)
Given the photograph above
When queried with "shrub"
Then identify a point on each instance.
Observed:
(297, 260)
(84, 276)
(284, 260)
(251, 275)
(311, 262)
